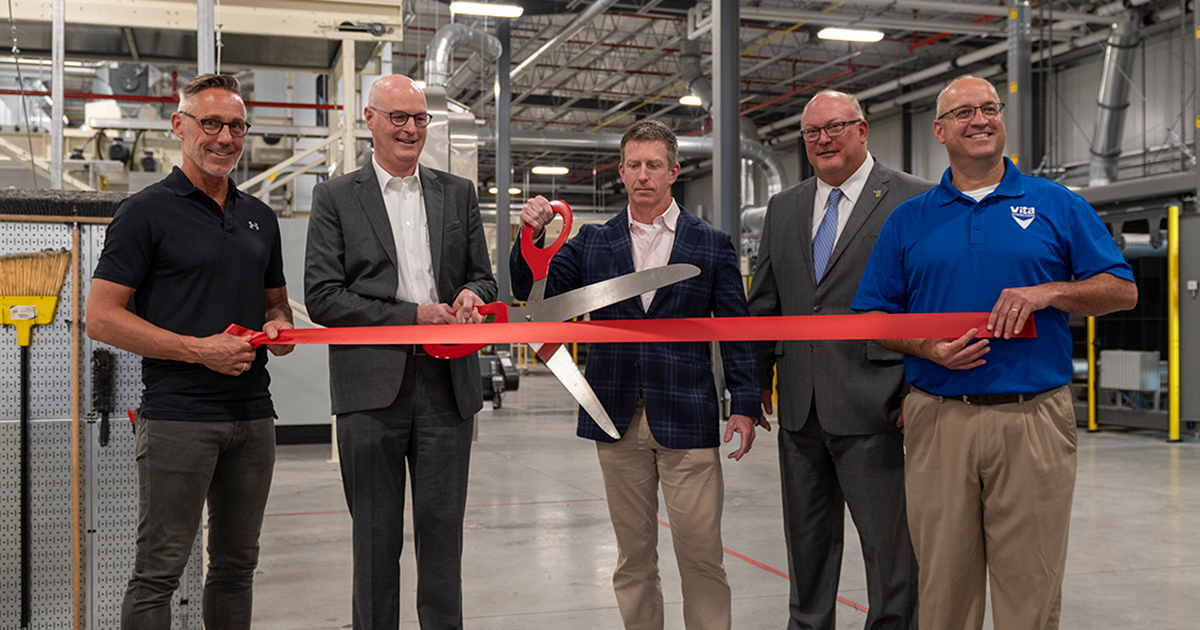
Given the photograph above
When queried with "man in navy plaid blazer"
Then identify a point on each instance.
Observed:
(661, 396)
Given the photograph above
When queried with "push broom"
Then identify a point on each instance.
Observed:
(29, 287)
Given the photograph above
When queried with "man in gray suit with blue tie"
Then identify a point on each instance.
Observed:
(839, 401)
(396, 244)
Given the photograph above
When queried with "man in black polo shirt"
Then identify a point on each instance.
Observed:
(195, 254)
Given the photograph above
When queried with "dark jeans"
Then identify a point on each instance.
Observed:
(180, 464)
(422, 429)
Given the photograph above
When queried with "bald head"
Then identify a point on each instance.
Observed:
(397, 147)
(965, 82)
(391, 86)
(849, 99)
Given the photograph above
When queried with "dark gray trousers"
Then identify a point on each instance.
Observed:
(180, 465)
(422, 428)
(821, 474)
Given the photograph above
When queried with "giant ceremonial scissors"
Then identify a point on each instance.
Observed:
(565, 306)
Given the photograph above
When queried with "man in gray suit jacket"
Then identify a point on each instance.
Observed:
(839, 401)
(400, 244)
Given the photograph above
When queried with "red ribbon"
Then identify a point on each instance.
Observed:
(787, 328)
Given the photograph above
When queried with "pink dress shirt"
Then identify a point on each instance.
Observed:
(652, 244)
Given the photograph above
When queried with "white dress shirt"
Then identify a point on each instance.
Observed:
(851, 189)
(410, 230)
(652, 244)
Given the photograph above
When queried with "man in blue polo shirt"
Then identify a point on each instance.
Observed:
(192, 254)
(990, 424)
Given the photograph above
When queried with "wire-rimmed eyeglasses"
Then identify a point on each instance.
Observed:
(832, 130)
(967, 112)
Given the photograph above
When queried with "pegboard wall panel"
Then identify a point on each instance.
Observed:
(50, 505)
(50, 352)
(110, 475)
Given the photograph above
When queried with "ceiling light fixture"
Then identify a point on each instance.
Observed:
(550, 170)
(690, 99)
(487, 10)
(514, 191)
(850, 35)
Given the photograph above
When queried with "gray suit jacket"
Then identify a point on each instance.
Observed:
(350, 279)
(856, 383)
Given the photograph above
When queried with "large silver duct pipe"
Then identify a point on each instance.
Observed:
(1113, 99)
(440, 53)
(701, 86)
(689, 146)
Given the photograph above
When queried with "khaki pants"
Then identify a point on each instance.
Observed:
(694, 492)
(989, 494)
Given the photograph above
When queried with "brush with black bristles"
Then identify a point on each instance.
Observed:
(58, 206)
(104, 395)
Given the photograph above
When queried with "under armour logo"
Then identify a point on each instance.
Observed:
(253, 225)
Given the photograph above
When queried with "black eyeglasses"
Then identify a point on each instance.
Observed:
(398, 118)
(967, 112)
(832, 130)
(212, 126)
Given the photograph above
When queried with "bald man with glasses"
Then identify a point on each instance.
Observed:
(399, 244)
(838, 400)
(990, 422)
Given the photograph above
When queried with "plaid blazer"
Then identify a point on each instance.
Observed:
(676, 379)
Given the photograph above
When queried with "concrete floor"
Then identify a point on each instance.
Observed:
(540, 549)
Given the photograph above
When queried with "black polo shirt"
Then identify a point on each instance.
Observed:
(195, 271)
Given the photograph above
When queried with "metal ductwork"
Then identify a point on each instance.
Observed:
(1113, 99)
(690, 146)
(440, 53)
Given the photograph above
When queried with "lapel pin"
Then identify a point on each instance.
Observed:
(878, 193)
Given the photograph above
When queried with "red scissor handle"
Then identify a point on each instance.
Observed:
(539, 259)
(458, 350)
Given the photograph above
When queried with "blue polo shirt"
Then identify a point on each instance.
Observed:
(941, 252)
(196, 268)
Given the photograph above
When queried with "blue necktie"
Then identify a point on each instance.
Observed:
(826, 234)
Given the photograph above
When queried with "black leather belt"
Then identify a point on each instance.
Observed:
(988, 399)
(414, 349)
(992, 399)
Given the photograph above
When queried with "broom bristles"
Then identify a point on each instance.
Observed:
(40, 273)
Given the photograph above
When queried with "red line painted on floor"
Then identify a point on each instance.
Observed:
(478, 505)
(770, 569)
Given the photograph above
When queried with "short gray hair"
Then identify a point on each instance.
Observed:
(202, 82)
(858, 110)
(956, 80)
(647, 130)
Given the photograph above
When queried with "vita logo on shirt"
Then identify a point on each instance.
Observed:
(1023, 215)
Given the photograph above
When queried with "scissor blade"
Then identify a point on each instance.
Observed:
(588, 298)
(555, 356)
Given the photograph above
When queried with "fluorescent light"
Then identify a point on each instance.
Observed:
(487, 10)
(514, 191)
(493, 190)
(690, 99)
(550, 170)
(420, 84)
(850, 35)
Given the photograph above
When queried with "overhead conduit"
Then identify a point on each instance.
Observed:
(1113, 100)
(440, 53)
